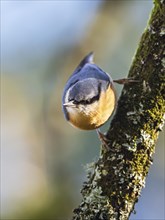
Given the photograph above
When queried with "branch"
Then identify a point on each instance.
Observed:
(116, 179)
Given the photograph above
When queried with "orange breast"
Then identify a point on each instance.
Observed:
(95, 114)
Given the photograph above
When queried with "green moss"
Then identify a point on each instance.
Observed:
(158, 3)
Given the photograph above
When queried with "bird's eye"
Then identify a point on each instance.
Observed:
(75, 102)
(87, 101)
(72, 100)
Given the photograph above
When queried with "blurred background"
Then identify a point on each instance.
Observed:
(42, 156)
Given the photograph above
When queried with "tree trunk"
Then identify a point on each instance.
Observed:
(116, 179)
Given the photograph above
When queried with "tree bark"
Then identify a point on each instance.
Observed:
(116, 179)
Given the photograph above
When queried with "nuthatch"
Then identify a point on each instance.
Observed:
(89, 97)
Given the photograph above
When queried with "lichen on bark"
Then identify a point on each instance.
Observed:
(116, 179)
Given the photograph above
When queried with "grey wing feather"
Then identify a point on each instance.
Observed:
(85, 60)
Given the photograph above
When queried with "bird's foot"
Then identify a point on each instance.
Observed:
(125, 80)
(103, 140)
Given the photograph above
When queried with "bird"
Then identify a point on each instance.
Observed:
(89, 97)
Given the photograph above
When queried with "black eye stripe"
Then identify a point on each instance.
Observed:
(86, 102)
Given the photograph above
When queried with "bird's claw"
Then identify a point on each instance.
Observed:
(125, 80)
(104, 140)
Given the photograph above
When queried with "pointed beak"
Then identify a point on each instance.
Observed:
(69, 104)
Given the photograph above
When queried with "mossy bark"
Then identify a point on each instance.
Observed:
(116, 179)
